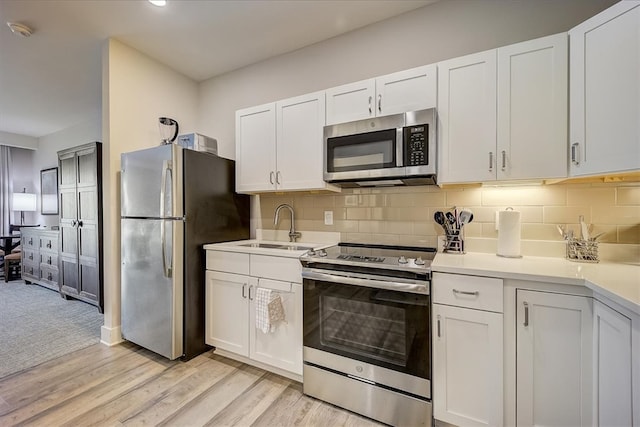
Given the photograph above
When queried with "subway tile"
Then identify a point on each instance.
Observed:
(591, 196)
(473, 229)
(371, 226)
(628, 196)
(401, 200)
(465, 197)
(427, 228)
(398, 227)
(324, 201)
(316, 214)
(312, 225)
(620, 215)
(346, 226)
(629, 234)
(565, 214)
(489, 230)
(540, 232)
(418, 240)
(610, 233)
(358, 213)
(430, 199)
(525, 196)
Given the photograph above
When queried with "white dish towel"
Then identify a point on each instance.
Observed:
(269, 310)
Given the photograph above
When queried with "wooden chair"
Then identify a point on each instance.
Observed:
(12, 266)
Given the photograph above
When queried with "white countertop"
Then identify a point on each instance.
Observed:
(239, 246)
(619, 282)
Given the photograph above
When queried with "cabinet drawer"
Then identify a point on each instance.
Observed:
(229, 262)
(48, 274)
(50, 259)
(29, 241)
(30, 270)
(29, 256)
(278, 268)
(49, 243)
(481, 293)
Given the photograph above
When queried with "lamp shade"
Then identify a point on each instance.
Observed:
(24, 202)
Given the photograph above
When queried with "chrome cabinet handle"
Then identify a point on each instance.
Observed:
(271, 177)
(244, 290)
(438, 323)
(370, 99)
(504, 160)
(163, 240)
(490, 161)
(49, 244)
(49, 261)
(380, 103)
(526, 314)
(250, 287)
(474, 293)
(166, 169)
(278, 174)
(575, 153)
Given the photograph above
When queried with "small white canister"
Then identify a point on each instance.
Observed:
(509, 232)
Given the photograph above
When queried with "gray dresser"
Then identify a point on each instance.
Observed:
(40, 256)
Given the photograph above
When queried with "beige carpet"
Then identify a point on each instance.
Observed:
(37, 325)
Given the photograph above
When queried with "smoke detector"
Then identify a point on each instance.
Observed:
(20, 29)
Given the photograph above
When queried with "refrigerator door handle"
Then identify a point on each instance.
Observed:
(166, 169)
(163, 241)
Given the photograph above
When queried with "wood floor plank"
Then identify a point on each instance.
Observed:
(323, 414)
(94, 397)
(155, 412)
(39, 400)
(112, 412)
(289, 409)
(250, 404)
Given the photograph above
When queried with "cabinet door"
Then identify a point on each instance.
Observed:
(281, 348)
(408, 90)
(226, 311)
(299, 142)
(612, 367)
(256, 149)
(88, 225)
(353, 101)
(467, 118)
(532, 109)
(605, 91)
(68, 165)
(553, 359)
(467, 366)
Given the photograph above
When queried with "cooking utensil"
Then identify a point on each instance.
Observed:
(561, 231)
(440, 219)
(584, 230)
(452, 219)
(465, 217)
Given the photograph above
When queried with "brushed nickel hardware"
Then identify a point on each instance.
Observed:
(504, 160)
(526, 314)
(293, 234)
(438, 324)
(370, 99)
(278, 175)
(490, 161)
(575, 153)
(244, 290)
(271, 177)
(475, 293)
(250, 287)
(380, 103)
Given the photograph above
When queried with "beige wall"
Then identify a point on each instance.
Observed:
(136, 91)
(443, 30)
(404, 215)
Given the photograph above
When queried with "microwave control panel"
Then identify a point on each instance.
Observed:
(416, 152)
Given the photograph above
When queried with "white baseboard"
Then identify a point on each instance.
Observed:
(111, 336)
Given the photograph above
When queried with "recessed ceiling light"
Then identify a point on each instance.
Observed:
(20, 29)
(158, 2)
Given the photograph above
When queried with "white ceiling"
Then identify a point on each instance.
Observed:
(52, 80)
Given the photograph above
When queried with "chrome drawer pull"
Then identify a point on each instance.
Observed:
(439, 326)
(526, 314)
(475, 293)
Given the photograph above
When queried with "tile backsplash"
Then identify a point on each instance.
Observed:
(404, 215)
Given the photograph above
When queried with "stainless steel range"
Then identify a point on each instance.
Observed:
(367, 344)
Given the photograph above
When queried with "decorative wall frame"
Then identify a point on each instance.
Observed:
(49, 191)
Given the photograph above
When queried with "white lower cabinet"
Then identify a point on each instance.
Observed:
(612, 400)
(467, 350)
(231, 313)
(553, 359)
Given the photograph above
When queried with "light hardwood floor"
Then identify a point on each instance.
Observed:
(128, 385)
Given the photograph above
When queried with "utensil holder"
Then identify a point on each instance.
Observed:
(580, 250)
(454, 244)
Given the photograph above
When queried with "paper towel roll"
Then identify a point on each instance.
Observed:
(509, 233)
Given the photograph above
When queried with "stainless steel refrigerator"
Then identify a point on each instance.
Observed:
(173, 201)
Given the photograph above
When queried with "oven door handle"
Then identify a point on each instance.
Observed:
(389, 284)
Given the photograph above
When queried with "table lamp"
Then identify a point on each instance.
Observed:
(23, 202)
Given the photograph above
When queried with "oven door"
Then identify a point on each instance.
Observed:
(366, 155)
(381, 327)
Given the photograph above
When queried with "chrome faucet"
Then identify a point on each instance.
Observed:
(293, 234)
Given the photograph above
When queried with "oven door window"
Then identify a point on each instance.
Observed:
(373, 150)
(381, 327)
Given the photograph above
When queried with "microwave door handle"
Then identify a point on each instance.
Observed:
(399, 147)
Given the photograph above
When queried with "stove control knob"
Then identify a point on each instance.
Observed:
(402, 260)
(322, 253)
(311, 252)
(419, 261)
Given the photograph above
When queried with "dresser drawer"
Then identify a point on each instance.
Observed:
(49, 243)
(30, 256)
(31, 270)
(481, 293)
(48, 274)
(29, 241)
(49, 259)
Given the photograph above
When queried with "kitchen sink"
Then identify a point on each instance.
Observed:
(291, 247)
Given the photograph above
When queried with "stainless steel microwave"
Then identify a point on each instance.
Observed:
(399, 149)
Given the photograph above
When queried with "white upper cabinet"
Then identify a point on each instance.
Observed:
(532, 109)
(467, 118)
(408, 90)
(256, 148)
(503, 113)
(279, 146)
(605, 92)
